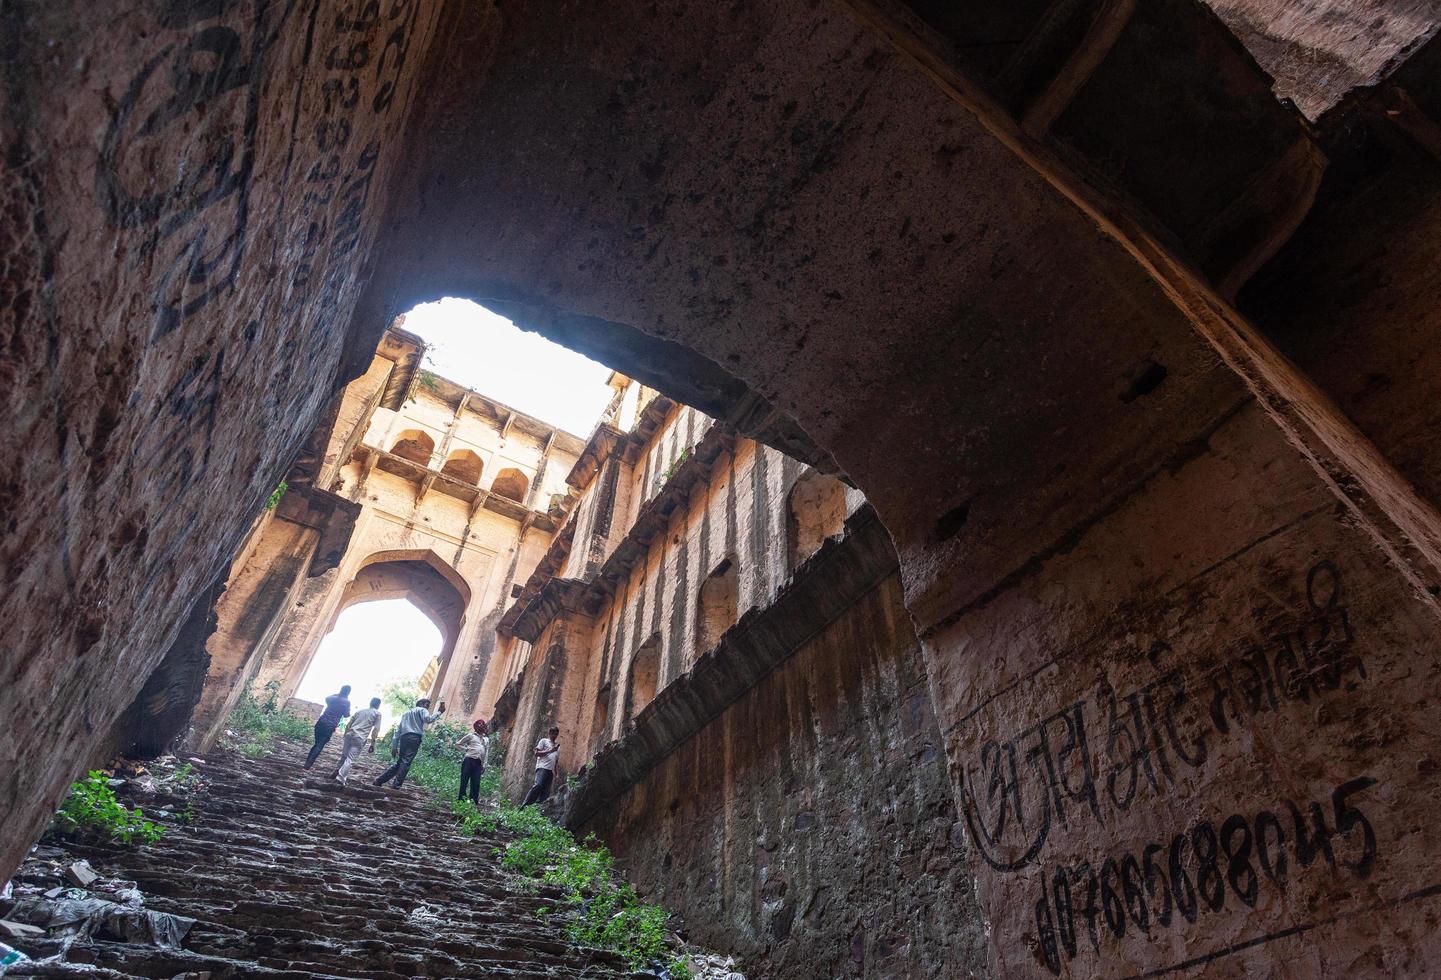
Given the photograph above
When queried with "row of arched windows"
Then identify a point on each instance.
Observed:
(463, 464)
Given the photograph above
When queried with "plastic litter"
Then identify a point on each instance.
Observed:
(9, 956)
(91, 917)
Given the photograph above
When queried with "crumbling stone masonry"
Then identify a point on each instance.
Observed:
(1131, 359)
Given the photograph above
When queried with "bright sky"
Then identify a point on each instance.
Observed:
(475, 347)
(373, 642)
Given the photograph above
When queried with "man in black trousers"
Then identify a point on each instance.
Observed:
(337, 706)
(407, 740)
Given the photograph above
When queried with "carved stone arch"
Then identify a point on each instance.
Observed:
(465, 465)
(415, 445)
(424, 579)
(511, 483)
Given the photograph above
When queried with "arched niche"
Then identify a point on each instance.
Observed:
(464, 465)
(599, 721)
(815, 511)
(414, 445)
(716, 605)
(643, 677)
(511, 483)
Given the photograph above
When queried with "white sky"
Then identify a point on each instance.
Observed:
(475, 347)
(375, 642)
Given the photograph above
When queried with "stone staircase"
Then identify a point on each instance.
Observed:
(288, 876)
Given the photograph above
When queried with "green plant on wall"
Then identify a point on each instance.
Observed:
(671, 470)
(279, 492)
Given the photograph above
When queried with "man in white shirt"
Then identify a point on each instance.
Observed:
(407, 740)
(363, 726)
(476, 746)
(546, 751)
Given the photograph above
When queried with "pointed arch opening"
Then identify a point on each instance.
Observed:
(464, 465)
(717, 605)
(511, 483)
(415, 445)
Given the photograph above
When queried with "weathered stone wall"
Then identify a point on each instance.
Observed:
(263, 579)
(810, 829)
(1196, 734)
(1352, 298)
(1318, 50)
(733, 508)
(189, 191)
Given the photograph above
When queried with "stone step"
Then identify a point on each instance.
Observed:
(289, 875)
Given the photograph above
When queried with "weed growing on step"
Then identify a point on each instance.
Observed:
(608, 915)
(91, 810)
(259, 723)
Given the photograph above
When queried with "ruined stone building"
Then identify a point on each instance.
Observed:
(1020, 554)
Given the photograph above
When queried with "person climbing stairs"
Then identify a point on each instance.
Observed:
(287, 875)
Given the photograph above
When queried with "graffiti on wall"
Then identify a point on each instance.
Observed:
(1125, 765)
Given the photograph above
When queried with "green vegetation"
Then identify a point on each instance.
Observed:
(400, 694)
(279, 492)
(608, 914)
(671, 470)
(260, 723)
(91, 810)
(429, 380)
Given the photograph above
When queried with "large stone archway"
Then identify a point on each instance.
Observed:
(418, 575)
(423, 579)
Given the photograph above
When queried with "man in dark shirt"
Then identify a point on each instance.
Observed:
(337, 706)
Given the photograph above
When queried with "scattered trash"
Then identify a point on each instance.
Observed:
(91, 917)
(9, 956)
(5, 892)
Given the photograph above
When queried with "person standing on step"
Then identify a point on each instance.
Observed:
(364, 726)
(407, 740)
(546, 751)
(337, 706)
(477, 753)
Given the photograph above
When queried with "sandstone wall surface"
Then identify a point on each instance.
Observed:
(1198, 739)
(734, 517)
(1318, 50)
(189, 192)
(810, 829)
